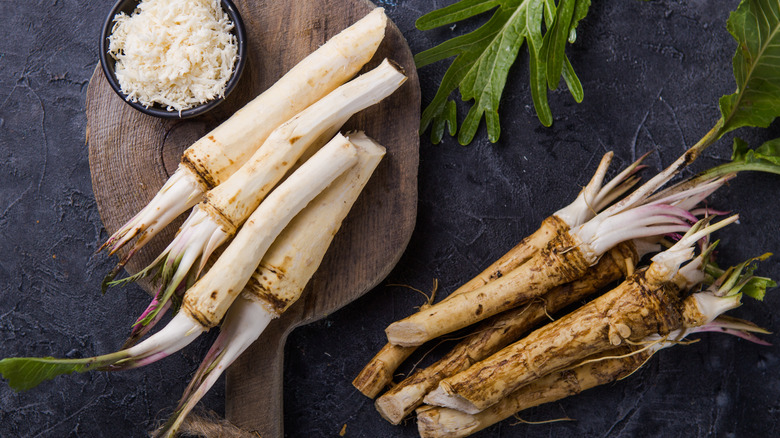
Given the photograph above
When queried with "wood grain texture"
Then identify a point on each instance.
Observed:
(131, 155)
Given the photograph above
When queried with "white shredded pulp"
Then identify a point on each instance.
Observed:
(177, 53)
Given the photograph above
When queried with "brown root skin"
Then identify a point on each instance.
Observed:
(633, 311)
(501, 330)
(561, 261)
(378, 373)
(521, 253)
(262, 285)
(692, 316)
(436, 422)
(211, 296)
(199, 168)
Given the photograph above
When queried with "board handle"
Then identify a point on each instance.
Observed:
(254, 382)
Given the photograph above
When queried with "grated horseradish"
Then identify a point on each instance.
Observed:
(177, 53)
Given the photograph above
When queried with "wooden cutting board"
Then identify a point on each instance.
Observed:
(131, 155)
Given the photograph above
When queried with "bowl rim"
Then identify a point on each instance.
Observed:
(107, 64)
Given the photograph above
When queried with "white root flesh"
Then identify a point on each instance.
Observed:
(209, 298)
(296, 254)
(274, 215)
(214, 221)
(220, 153)
(237, 197)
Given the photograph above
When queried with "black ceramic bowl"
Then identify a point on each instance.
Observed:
(108, 63)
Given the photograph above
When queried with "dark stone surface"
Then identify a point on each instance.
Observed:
(652, 74)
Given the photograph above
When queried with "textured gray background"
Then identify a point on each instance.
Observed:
(652, 74)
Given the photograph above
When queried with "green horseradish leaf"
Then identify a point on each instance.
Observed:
(740, 278)
(755, 24)
(767, 154)
(756, 287)
(25, 373)
(765, 158)
(483, 59)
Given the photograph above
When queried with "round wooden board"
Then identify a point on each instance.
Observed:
(131, 155)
